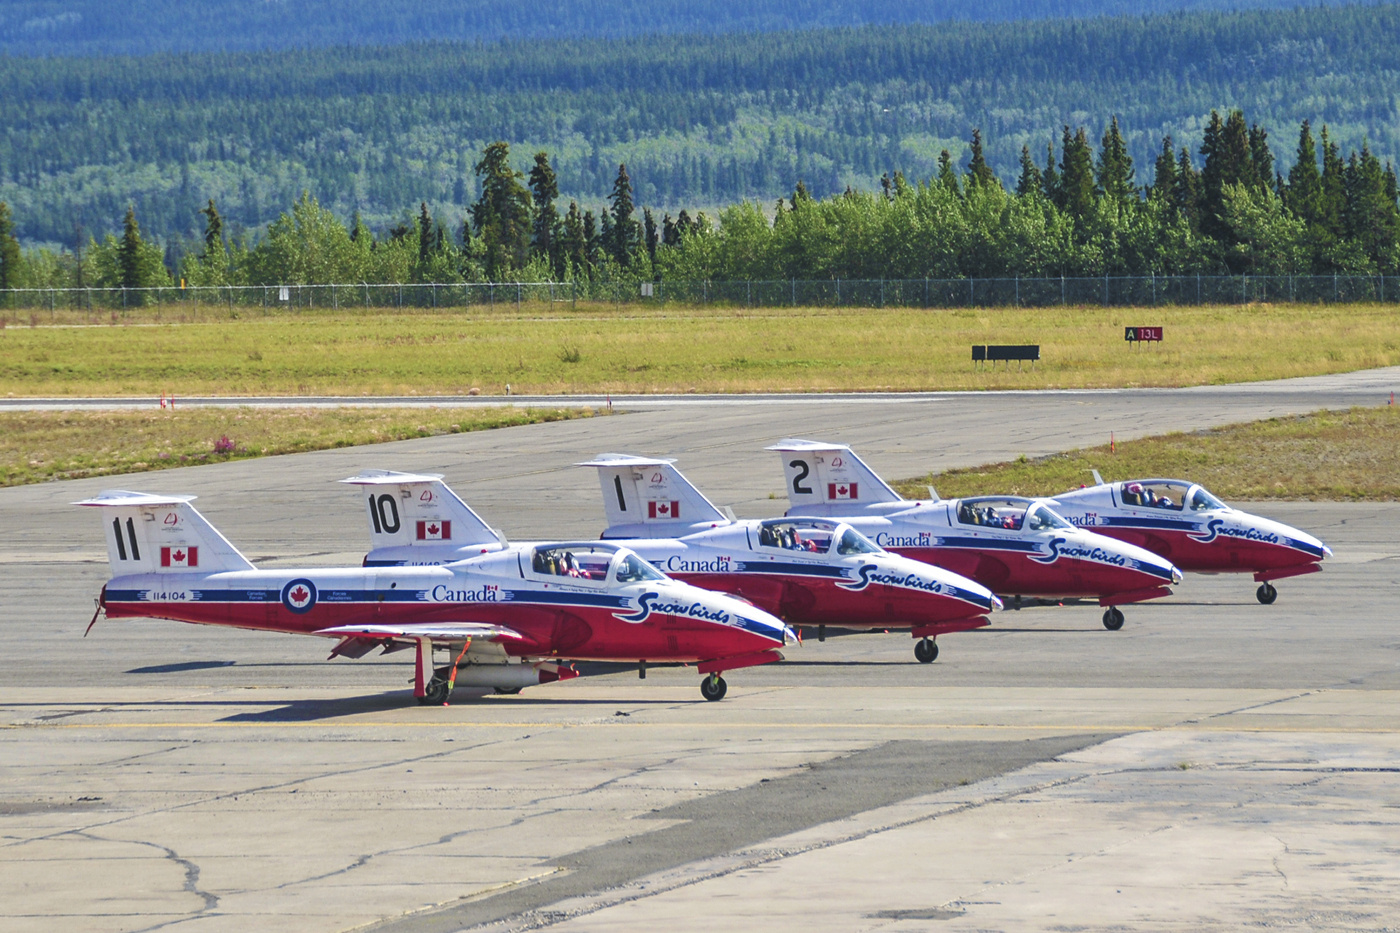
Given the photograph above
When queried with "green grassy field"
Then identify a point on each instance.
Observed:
(624, 349)
(38, 446)
(1325, 455)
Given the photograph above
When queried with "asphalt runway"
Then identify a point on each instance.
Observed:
(1215, 764)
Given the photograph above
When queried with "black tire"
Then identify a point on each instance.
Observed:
(713, 688)
(509, 691)
(1113, 618)
(436, 692)
(925, 650)
(1266, 594)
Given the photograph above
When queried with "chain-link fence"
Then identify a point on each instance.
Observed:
(1106, 291)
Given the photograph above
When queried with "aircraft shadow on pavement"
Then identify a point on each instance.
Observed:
(180, 667)
(312, 710)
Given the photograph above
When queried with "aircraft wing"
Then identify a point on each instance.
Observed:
(438, 631)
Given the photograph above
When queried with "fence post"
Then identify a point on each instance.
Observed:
(1018, 290)
(882, 292)
(1105, 294)
(794, 293)
(838, 293)
(1244, 289)
(971, 294)
(1198, 288)
(1062, 290)
(1334, 288)
(1154, 288)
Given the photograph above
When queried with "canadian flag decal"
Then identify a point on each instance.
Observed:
(434, 531)
(841, 491)
(179, 557)
(663, 508)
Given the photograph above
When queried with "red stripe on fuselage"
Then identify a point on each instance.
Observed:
(813, 601)
(1223, 555)
(1011, 572)
(576, 632)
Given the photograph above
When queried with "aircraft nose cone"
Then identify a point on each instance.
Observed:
(1326, 551)
(1176, 577)
(997, 604)
(789, 636)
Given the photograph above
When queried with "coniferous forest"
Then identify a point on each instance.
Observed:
(1257, 141)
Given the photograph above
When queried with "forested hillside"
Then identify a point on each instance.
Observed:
(140, 27)
(700, 121)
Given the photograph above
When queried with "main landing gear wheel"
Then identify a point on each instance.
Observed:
(1266, 594)
(926, 649)
(713, 687)
(1113, 619)
(435, 693)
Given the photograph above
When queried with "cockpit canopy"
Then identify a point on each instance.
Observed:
(1170, 494)
(592, 562)
(1012, 513)
(814, 536)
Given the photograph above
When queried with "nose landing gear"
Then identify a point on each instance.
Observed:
(1266, 594)
(713, 687)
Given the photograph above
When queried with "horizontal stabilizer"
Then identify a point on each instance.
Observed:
(647, 497)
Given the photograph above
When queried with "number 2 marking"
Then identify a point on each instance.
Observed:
(803, 470)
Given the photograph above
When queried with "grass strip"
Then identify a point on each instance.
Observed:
(1327, 455)
(51, 445)
(649, 349)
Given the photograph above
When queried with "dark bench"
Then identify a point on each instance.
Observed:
(994, 353)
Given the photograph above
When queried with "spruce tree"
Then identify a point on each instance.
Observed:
(979, 174)
(427, 240)
(1115, 169)
(947, 175)
(544, 185)
(1031, 179)
(213, 231)
(129, 251)
(1229, 160)
(1050, 178)
(592, 242)
(1076, 175)
(501, 215)
(649, 230)
(1304, 191)
(1188, 188)
(1261, 158)
(1164, 175)
(1333, 186)
(573, 244)
(625, 235)
(9, 250)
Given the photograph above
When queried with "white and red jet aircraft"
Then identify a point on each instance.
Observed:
(1184, 523)
(809, 572)
(510, 616)
(1012, 545)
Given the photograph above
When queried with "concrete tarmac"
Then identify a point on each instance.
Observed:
(1215, 764)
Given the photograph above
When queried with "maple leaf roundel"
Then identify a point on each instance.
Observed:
(299, 595)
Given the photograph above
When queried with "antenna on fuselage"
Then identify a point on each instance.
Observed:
(1098, 480)
(933, 495)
